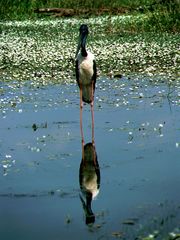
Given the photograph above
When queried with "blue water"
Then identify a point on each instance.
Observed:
(137, 142)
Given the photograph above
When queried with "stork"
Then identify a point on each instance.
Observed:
(85, 75)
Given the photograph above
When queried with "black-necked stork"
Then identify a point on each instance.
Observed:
(89, 179)
(85, 74)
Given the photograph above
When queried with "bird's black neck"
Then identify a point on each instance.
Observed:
(83, 52)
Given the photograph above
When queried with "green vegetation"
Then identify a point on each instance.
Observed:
(161, 15)
(142, 41)
(44, 50)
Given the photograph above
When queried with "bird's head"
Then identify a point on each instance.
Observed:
(83, 33)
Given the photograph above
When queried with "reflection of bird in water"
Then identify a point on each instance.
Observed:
(89, 180)
(85, 74)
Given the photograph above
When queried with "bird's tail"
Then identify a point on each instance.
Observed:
(87, 93)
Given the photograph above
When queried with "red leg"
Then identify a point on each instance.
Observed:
(92, 112)
(81, 108)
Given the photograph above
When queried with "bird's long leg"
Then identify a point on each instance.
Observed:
(92, 112)
(81, 109)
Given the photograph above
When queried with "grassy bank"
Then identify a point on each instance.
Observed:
(143, 41)
(44, 50)
(162, 15)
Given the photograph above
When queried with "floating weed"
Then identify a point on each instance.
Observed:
(174, 236)
(42, 125)
(177, 145)
(130, 137)
(117, 234)
(34, 149)
(159, 128)
(7, 164)
(130, 221)
(150, 237)
(68, 219)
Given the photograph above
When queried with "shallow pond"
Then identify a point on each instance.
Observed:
(137, 143)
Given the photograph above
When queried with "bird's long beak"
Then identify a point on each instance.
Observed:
(78, 48)
(83, 38)
(81, 43)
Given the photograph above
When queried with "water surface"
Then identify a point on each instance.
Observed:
(138, 150)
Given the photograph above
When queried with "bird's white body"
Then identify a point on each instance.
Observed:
(85, 72)
(85, 68)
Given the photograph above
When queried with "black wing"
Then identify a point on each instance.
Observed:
(94, 74)
(77, 72)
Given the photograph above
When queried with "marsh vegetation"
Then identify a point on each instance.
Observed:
(143, 41)
(44, 50)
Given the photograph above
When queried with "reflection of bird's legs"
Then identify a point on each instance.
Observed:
(92, 111)
(82, 151)
(81, 109)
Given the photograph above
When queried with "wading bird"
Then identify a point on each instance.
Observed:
(85, 74)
